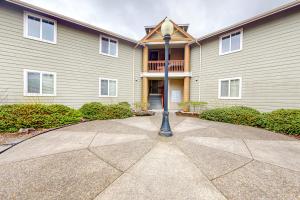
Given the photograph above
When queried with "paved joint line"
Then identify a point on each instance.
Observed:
(200, 170)
(248, 149)
(92, 139)
(123, 172)
(104, 160)
(42, 156)
(233, 170)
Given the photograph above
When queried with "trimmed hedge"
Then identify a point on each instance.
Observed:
(282, 121)
(99, 111)
(234, 115)
(14, 117)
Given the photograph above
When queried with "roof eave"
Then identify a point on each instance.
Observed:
(251, 20)
(71, 20)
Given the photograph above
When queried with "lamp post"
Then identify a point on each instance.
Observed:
(167, 29)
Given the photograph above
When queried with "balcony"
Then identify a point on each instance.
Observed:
(158, 66)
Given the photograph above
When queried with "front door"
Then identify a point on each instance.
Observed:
(156, 89)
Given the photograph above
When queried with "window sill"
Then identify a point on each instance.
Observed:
(230, 98)
(108, 96)
(105, 54)
(230, 52)
(40, 40)
(39, 95)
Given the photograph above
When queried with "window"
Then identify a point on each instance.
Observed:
(231, 42)
(108, 46)
(39, 28)
(108, 87)
(38, 83)
(230, 88)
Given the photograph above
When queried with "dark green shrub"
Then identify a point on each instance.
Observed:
(14, 117)
(99, 111)
(234, 115)
(124, 103)
(282, 121)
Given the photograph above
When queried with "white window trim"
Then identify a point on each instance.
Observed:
(26, 14)
(41, 82)
(229, 34)
(109, 38)
(229, 79)
(108, 87)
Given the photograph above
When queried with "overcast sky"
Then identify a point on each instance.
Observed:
(128, 17)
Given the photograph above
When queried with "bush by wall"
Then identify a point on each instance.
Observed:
(282, 121)
(99, 111)
(14, 117)
(234, 115)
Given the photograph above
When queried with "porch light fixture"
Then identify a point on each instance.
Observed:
(167, 30)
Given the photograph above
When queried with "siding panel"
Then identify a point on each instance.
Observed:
(269, 65)
(75, 58)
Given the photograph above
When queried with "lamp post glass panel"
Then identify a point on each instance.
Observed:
(167, 29)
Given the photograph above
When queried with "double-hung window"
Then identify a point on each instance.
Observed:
(38, 83)
(230, 88)
(39, 28)
(108, 46)
(108, 87)
(231, 42)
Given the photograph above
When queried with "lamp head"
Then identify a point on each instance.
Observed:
(167, 27)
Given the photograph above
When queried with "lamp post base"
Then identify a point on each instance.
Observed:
(165, 129)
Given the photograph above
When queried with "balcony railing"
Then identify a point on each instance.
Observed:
(158, 66)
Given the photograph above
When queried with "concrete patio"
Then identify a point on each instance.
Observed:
(126, 159)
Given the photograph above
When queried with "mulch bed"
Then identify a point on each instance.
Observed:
(8, 138)
(187, 114)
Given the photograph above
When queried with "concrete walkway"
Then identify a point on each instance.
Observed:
(126, 159)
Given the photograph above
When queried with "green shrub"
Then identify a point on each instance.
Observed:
(14, 117)
(234, 115)
(197, 105)
(124, 103)
(282, 121)
(99, 111)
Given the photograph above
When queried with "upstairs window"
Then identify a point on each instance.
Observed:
(39, 28)
(231, 42)
(108, 87)
(230, 88)
(108, 46)
(37, 83)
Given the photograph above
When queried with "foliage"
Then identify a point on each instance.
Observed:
(124, 103)
(138, 106)
(14, 117)
(235, 115)
(99, 111)
(282, 121)
(197, 105)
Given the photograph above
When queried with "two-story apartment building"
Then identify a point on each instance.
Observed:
(46, 57)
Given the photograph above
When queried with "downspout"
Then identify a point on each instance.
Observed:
(200, 67)
(133, 75)
(133, 72)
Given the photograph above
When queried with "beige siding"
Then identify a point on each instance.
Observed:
(269, 65)
(75, 58)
